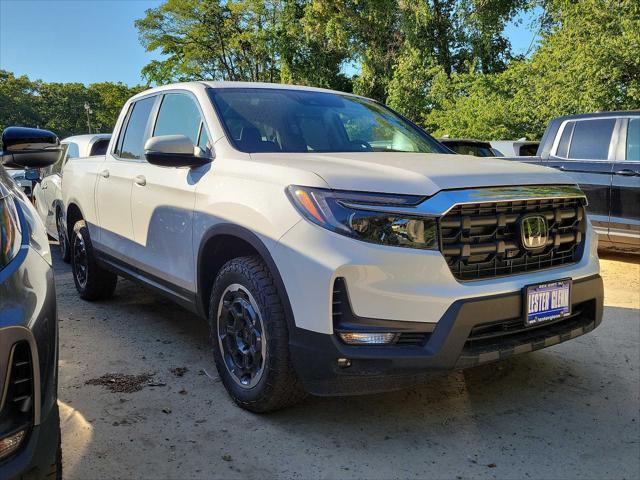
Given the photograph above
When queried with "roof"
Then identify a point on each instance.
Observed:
(225, 84)
(621, 113)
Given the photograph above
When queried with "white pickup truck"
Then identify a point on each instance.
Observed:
(333, 246)
(47, 192)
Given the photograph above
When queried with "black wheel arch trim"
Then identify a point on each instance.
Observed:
(234, 230)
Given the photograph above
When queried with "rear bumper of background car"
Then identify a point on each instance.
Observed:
(471, 332)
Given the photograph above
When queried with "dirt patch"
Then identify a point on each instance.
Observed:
(121, 383)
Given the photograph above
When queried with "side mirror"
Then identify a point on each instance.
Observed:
(173, 151)
(29, 148)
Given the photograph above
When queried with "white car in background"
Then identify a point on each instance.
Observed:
(18, 176)
(515, 148)
(47, 194)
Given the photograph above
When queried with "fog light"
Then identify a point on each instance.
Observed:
(356, 338)
(10, 444)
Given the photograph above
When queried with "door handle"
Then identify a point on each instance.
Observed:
(627, 172)
(140, 180)
(105, 173)
(44, 187)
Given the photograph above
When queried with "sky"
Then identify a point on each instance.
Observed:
(90, 41)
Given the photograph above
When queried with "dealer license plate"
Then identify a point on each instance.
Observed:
(547, 301)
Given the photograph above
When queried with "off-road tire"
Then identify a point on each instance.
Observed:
(99, 283)
(279, 386)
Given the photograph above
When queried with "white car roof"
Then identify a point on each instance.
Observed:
(84, 142)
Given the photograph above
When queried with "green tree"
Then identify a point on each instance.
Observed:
(588, 60)
(60, 106)
(250, 40)
(18, 101)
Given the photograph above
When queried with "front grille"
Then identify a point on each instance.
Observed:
(482, 240)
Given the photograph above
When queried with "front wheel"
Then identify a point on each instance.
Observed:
(93, 282)
(250, 338)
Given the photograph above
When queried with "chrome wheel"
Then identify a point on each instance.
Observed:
(241, 336)
(80, 261)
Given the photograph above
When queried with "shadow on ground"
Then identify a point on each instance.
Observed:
(565, 412)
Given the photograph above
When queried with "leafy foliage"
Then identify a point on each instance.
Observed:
(588, 60)
(60, 106)
(445, 64)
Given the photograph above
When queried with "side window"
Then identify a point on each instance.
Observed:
(73, 151)
(591, 139)
(99, 148)
(135, 134)
(563, 145)
(178, 115)
(633, 140)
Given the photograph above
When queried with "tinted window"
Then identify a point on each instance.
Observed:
(475, 149)
(99, 147)
(529, 150)
(135, 135)
(633, 140)
(563, 145)
(179, 115)
(279, 120)
(591, 139)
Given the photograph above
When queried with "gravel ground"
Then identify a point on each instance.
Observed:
(155, 408)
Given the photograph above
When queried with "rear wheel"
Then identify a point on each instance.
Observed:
(65, 251)
(250, 339)
(93, 282)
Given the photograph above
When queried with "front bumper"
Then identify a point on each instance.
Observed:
(28, 321)
(450, 345)
(37, 456)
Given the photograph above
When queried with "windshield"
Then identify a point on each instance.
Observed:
(279, 120)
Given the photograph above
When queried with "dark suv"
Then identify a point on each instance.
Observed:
(29, 419)
(601, 151)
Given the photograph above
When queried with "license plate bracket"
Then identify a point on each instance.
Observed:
(545, 302)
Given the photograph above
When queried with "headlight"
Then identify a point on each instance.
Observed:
(10, 236)
(353, 214)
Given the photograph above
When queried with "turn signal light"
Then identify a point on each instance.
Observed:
(357, 338)
(10, 444)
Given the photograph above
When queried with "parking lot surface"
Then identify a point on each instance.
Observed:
(565, 412)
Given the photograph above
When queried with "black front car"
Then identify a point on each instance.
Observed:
(29, 419)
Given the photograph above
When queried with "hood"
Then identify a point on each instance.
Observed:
(413, 173)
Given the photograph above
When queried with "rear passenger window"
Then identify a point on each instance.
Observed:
(99, 148)
(179, 115)
(563, 145)
(633, 140)
(135, 135)
(591, 139)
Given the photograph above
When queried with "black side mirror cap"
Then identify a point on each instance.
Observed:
(29, 148)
